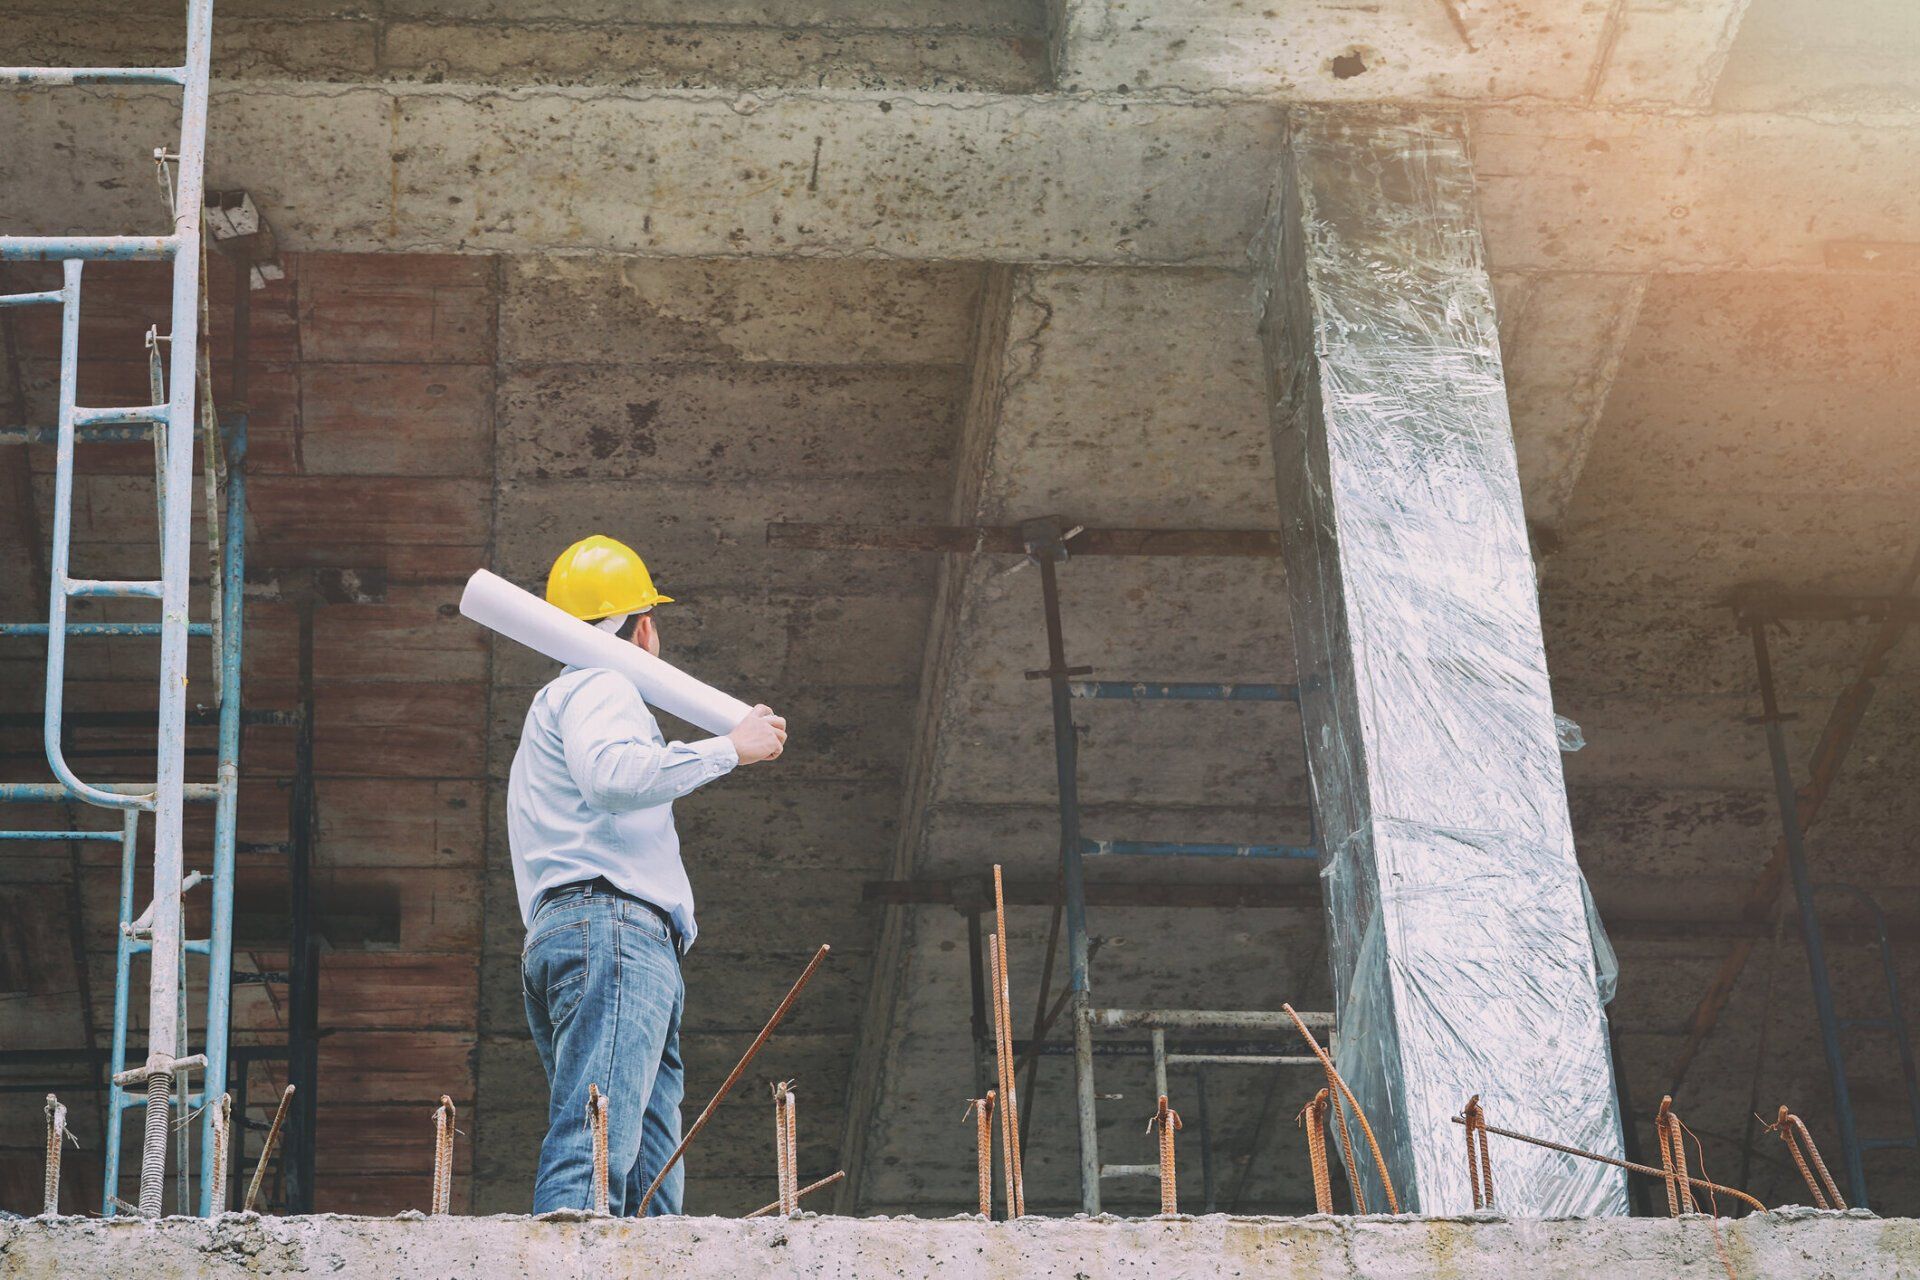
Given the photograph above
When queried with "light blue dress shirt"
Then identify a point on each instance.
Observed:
(591, 794)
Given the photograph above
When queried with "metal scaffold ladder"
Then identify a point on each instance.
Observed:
(178, 412)
(1046, 543)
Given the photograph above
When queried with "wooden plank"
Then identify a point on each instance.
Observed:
(395, 1141)
(390, 909)
(404, 308)
(396, 419)
(321, 516)
(380, 990)
(414, 633)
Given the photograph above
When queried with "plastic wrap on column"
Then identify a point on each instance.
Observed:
(495, 603)
(1459, 936)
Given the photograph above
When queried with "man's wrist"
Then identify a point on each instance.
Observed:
(721, 752)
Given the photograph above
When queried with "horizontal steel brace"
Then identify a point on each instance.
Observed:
(962, 540)
(971, 891)
(54, 792)
(1767, 604)
(87, 248)
(1176, 849)
(1182, 691)
(1208, 1019)
(101, 629)
(141, 588)
(1241, 1060)
(92, 75)
(1236, 1050)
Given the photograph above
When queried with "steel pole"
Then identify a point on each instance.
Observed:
(1810, 932)
(164, 1036)
(226, 807)
(1066, 769)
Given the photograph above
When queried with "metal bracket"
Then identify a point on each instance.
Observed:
(1046, 536)
(157, 1067)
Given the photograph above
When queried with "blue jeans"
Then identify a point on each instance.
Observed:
(604, 997)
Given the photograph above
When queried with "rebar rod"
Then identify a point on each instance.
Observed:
(1629, 1165)
(1313, 1118)
(1479, 1165)
(1167, 1122)
(1334, 1079)
(597, 1127)
(56, 1140)
(733, 1077)
(443, 1118)
(219, 1133)
(266, 1151)
(836, 1176)
(1004, 994)
(981, 1109)
(1793, 1131)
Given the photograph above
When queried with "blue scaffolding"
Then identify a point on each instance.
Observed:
(179, 411)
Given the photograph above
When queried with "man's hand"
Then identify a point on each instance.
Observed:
(761, 736)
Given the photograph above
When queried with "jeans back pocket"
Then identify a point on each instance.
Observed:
(555, 968)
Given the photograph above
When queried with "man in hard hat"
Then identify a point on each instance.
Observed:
(605, 899)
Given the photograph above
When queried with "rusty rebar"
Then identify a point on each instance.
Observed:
(786, 1149)
(733, 1077)
(805, 1191)
(981, 1109)
(1166, 1121)
(443, 1118)
(1333, 1078)
(1673, 1159)
(221, 1138)
(1313, 1118)
(56, 1141)
(1629, 1165)
(273, 1136)
(1017, 1203)
(1793, 1131)
(1003, 1065)
(1479, 1165)
(597, 1126)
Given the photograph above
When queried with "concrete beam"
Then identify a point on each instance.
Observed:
(1104, 178)
(1787, 1245)
(1562, 335)
(1644, 51)
(1664, 51)
(1461, 961)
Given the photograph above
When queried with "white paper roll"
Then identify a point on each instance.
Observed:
(495, 603)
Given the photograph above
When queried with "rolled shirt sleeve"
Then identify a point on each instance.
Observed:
(613, 754)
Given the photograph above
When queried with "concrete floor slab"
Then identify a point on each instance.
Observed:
(1792, 1245)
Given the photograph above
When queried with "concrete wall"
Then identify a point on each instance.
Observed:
(1781, 1246)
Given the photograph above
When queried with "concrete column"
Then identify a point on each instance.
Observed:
(1459, 946)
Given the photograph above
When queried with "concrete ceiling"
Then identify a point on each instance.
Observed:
(738, 263)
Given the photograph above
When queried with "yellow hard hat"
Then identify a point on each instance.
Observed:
(598, 577)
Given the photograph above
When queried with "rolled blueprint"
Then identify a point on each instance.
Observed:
(497, 604)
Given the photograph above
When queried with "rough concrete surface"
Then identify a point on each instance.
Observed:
(1789, 1245)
